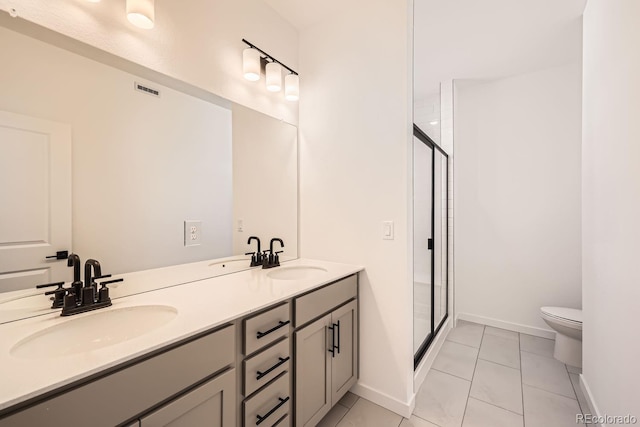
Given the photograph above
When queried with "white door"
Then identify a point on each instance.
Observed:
(35, 200)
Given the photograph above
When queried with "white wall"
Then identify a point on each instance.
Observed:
(517, 196)
(265, 182)
(141, 165)
(355, 135)
(611, 205)
(196, 41)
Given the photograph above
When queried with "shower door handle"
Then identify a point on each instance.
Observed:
(430, 244)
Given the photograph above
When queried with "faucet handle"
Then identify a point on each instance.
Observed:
(104, 276)
(48, 285)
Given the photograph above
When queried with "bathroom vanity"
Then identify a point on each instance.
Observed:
(257, 347)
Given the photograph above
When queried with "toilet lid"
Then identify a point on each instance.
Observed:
(565, 313)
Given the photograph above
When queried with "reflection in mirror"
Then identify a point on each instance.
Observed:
(90, 165)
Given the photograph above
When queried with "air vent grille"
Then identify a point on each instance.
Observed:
(146, 89)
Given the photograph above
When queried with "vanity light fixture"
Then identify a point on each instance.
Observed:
(251, 64)
(273, 70)
(141, 13)
(253, 58)
(292, 87)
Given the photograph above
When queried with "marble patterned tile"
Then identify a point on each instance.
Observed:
(498, 385)
(456, 359)
(536, 345)
(547, 374)
(333, 417)
(348, 400)
(582, 400)
(545, 409)
(497, 349)
(416, 422)
(490, 330)
(481, 414)
(466, 333)
(367, 414)
(442, 398)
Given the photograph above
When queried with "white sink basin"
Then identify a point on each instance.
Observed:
(95, 331)
(296, 272)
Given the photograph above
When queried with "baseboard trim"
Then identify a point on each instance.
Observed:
(401, 408)
(593, 408)
(420, 374)
(511, 326)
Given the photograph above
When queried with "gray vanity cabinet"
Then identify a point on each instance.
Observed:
(209, 405)
(326, 351)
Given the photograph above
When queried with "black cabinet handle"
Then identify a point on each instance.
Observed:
(337, 326)
(274, 409)
(280, 362)
(333, 340)
(59, 255)
(275, 328)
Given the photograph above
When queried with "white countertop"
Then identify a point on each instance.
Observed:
(201, 305)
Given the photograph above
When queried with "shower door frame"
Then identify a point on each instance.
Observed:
(425, 139)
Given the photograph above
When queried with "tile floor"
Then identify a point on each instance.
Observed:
(482, 377)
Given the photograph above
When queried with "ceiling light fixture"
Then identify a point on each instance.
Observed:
(141, 13)
(253, 58)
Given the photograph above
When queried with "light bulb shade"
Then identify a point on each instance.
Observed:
(292, 87)
(274, 77)
(141, 13)
(251, 64)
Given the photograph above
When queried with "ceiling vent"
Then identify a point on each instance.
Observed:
(146, 89)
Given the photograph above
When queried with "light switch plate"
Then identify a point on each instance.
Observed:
(387, 230)
(192, 232)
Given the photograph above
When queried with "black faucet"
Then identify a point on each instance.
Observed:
(78, 299)
(88, 279)
(273, 260)
(256, 257)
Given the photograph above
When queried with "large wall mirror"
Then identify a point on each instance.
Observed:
(138, 166)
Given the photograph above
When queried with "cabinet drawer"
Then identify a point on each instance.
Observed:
(265, 366)
(266, 408)
(266, 328)
(317, 303)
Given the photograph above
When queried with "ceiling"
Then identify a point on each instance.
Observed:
(473, 39)
(488, 39)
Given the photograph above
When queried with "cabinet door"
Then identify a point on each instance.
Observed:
(313, 372)
(210, 405)
(344, 360)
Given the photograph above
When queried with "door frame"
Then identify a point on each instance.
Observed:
(425, 139)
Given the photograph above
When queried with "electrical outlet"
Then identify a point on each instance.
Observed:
(192, 233)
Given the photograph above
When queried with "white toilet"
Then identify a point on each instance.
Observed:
(567, 322)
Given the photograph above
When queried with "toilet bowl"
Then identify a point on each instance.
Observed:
(567, 322)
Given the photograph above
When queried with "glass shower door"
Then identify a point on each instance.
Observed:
(430, 241)
(422, 241)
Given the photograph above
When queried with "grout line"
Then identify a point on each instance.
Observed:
(574, 390)
(453, 375)
(466, 404)
(501, 364)
(461, 343)
(524, 423)
(537, 354)
(424, 419)
(496, 406)
(552, 392)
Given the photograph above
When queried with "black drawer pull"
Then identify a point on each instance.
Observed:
(274, 409)
(275, 328)
(280, 362)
